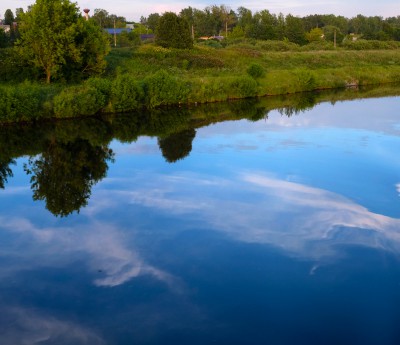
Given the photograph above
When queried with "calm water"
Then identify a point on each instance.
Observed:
(263, 229)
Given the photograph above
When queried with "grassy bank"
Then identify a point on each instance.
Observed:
(152, 77)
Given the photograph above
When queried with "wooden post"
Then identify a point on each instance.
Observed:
(115, 36)
(334, 39)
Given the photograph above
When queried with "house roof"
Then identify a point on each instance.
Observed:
(117, 31)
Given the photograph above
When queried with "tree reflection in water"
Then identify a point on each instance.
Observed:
(5, 171)
(69, 157)
(177, 146)
(64, 174)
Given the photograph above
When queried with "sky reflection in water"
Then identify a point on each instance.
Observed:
(281, 231)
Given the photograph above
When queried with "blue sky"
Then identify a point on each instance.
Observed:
(134, 10)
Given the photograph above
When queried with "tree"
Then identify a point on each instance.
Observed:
(19, 12)
(152, 21)
(54, 34)
(177, 145)
(295, 29)
(8, 17)
(64, 174)
(315, 35)
(173, 32)
(4, 39)
(5, 171)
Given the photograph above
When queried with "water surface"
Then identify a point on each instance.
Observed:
(272, 227)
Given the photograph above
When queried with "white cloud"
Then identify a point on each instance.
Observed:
(104, 247)
(289, 215)
(29, 327)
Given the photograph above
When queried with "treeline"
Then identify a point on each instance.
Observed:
(263, 25)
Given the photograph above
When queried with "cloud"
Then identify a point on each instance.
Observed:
(29, 327)
(303, 220)
(103, 246)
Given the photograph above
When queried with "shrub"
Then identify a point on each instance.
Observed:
(127, 94)
(255, 71)
(361, 44)
(278, 46)
(78, 100)
(306, 80)
(162, 88)
(104, 86)
(242, 87)
(22, 103)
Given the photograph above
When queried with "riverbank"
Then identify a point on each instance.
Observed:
(151, 77)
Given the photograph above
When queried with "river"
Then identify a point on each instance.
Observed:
(258, 222)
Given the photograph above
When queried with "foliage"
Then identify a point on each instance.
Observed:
(362, 44)
(242, 87)
(5, 171)
(21, 103)
(4, 39)
(173, 32)
(78, 100)
(106, 20)
(177, 145)
(64, 174)
(126, 94)
(162, 88)
(255, 70)
(9, 17)
(315, 35)
(306, 80)
(54, 35)
(278, 46)
(15, 69)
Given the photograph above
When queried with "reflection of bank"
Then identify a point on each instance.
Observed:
(5, 171)
(64, 174)
(177, 145)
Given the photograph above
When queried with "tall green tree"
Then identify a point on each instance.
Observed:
(54, 34)
(295, 31)
(173, 32)
(9, 17)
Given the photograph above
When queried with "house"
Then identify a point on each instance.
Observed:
(147, 37)
(5, 28)
(117, 31)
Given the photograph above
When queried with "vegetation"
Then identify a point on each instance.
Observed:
(67, 158)
(260, 54)
(55, 37)
(173, 32)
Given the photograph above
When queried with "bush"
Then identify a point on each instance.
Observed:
(127, 94)
(104, 86)
(162, 88)
(78, 100)
(318, 45)
(306, 80)
(242, 87)
(255, 71)
(278, 46)
(370, 45)
(22, 103)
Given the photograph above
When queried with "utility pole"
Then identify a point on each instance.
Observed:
(334, 39)
(115, 36)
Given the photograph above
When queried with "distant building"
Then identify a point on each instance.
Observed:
(146, 37)
(5, 28)
(117, 31)
(130, 26)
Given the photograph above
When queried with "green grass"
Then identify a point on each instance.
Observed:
(202, 75)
